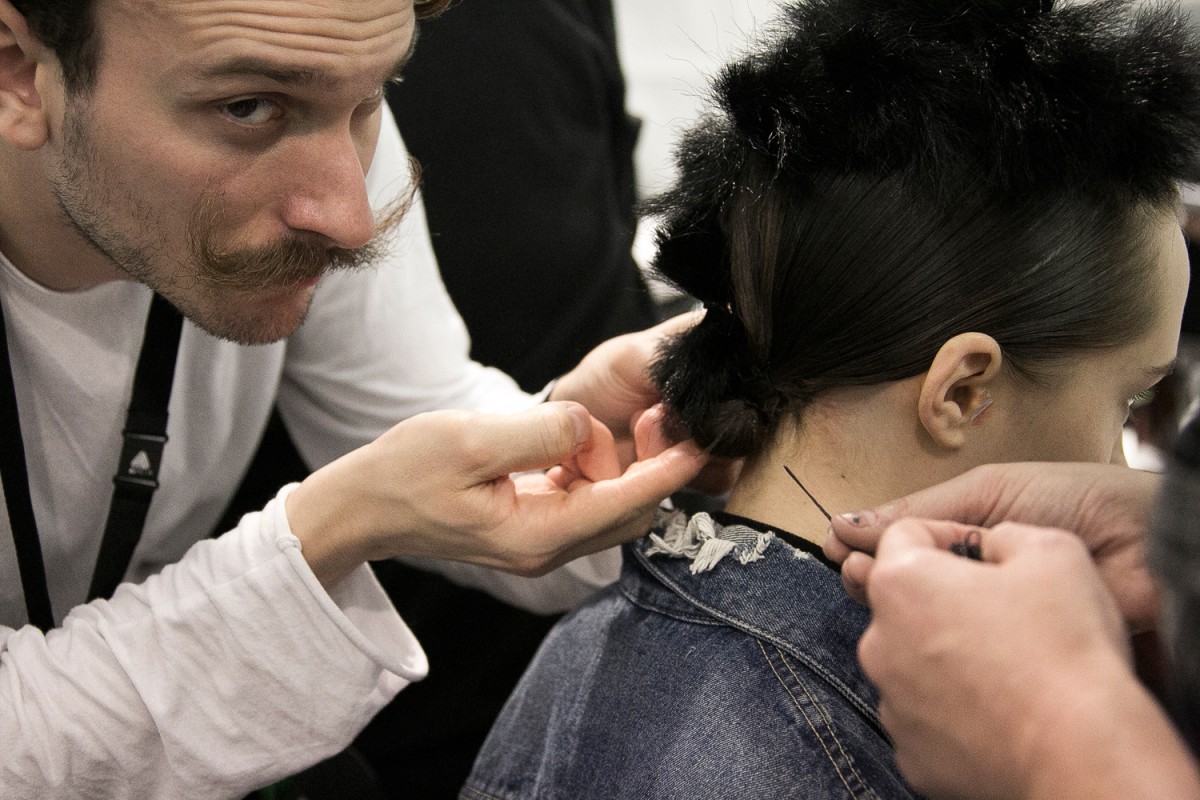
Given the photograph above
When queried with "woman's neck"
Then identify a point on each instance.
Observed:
(768, 493)
(856, 448)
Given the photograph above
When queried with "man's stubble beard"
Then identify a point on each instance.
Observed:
(248, 295)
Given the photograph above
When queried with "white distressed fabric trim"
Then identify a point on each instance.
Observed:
(704, 542)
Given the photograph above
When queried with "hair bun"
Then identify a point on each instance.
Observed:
(712, 390)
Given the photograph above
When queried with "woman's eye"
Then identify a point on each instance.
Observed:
(1142, 398)
(251, 111)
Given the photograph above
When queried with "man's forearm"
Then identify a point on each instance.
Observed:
(229, 669)
(1107, 739)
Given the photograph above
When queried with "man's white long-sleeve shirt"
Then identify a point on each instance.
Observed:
(231, 667)
(226, 671)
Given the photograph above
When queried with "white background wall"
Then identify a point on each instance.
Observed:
(668, 48)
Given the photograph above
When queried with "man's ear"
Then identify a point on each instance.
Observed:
(956, 392)
(23, 120)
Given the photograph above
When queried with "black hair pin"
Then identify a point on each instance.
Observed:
(970, 547)
(820, 507)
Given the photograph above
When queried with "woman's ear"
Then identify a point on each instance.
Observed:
(22, 113)
(956, 392)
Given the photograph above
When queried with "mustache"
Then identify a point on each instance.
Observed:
(293, 259)
(281, 264)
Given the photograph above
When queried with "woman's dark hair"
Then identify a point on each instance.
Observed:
(882, 175)
(1174, 557)
(67, 27)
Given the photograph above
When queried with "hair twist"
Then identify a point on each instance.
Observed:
(714, 391)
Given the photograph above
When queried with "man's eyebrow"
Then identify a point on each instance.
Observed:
(251, 66)
(303, 77)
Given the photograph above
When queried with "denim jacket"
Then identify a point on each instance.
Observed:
(722, 665)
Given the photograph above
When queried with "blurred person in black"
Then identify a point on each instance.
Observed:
(516, 112)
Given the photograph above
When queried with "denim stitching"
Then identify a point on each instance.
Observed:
(816, 732)
(828, 721)
(796, 677)
(696, 619)
(740, 624)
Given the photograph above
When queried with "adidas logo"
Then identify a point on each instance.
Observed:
(140, 464)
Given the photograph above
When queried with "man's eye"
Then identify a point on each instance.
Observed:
(251, 111)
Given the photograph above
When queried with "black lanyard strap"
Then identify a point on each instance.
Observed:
(15, 474)
(145, 436)
(136, 478)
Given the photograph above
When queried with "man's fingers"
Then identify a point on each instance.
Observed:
(596, 459)
(653, 437)
(610, 506)
(942, 534)
(589, 517)
(718, 476)
(856, 572)
(649, 481)
(905, 536)
(1010, 540)
(649, 434)
(969, 499)
(678, 323)
(581, 516)
(543, 436)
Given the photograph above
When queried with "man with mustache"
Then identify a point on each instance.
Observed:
(228, 159)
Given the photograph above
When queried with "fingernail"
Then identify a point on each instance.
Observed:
(582, 421)
(860, 519)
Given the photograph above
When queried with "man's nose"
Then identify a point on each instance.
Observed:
(329, 191)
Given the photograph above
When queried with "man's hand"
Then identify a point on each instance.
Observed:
(613, 380)
(447, 485)
(1107, 506)
(613, 383)
(1010, 678)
